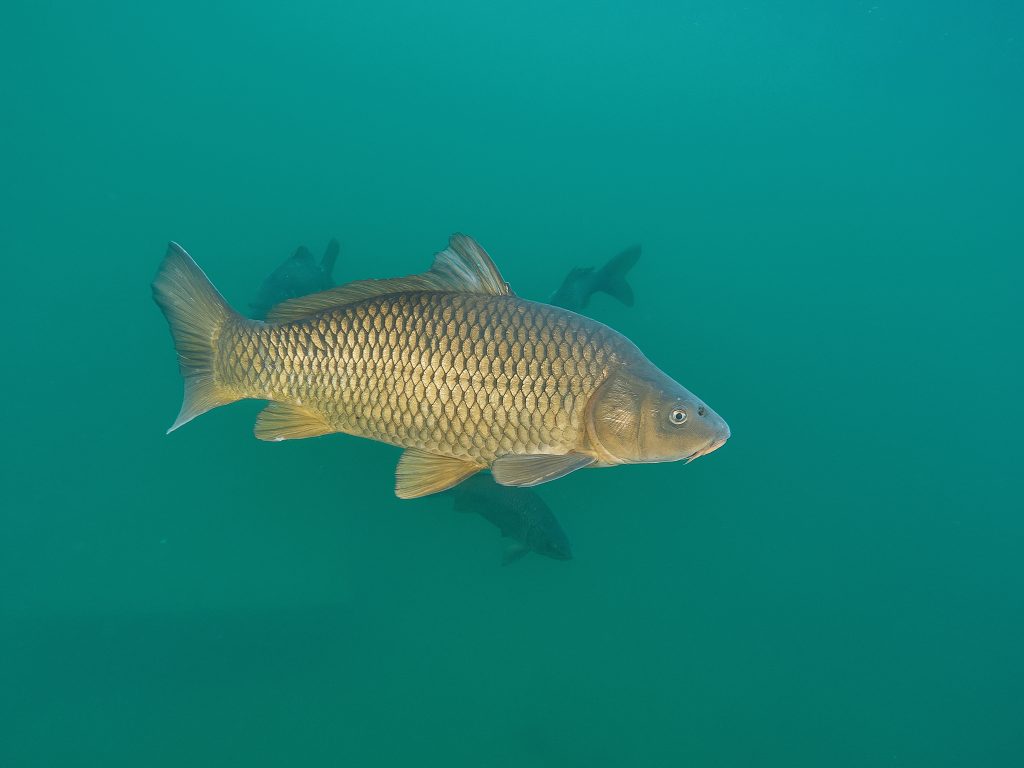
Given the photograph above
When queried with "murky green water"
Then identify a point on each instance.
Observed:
(829, 202)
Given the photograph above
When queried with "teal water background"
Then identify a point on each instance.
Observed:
(829, 200)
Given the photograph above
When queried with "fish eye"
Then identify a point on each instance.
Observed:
(678, 416)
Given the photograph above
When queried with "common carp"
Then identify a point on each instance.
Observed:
(449, 364)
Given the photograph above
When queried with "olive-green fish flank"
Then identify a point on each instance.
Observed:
(460, 375)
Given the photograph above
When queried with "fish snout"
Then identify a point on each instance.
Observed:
(718, 439)
(719, 429)
(713, 446)
(723, 433)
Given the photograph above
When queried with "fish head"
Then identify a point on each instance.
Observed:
(541, 530)
(640, 415)
(554, 543)
(557, 550)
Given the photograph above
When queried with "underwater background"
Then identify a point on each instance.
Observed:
(829, 201)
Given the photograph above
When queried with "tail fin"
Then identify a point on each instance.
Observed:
(196, 313)
(330, 256)
(612, 276)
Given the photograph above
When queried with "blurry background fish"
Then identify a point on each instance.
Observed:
(298, 275)
(519, 513)
(583, 282)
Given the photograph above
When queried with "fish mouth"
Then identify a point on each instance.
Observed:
(714, 445)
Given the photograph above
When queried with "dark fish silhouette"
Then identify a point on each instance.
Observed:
(582, 282)
(519, 514)
(300, 275)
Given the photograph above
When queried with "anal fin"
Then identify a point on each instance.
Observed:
(537, 468)
(283, 421)
(420, 473)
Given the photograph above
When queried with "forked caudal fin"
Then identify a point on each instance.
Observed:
(330, 256)
(196, 312)
(612, 276)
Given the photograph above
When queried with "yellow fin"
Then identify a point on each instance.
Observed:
(283, 421)
(463, 267)
(534, 469)
(196, 312)
(420, 473)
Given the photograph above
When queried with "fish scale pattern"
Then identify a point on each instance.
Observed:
(464, 375)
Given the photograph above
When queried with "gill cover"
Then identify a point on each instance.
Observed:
(614, 420)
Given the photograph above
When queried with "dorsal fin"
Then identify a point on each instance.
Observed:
(463, 267)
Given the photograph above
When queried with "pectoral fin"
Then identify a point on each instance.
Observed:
(282, 421)
(420, 473)
(534, 469)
